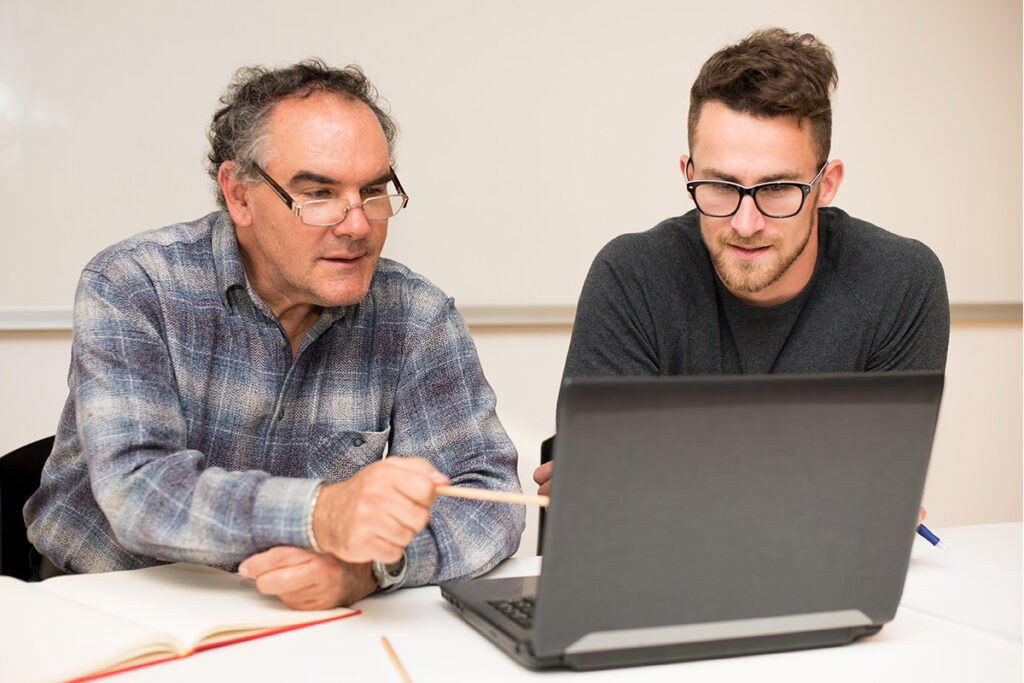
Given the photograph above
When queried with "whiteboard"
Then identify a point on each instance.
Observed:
(532, 132)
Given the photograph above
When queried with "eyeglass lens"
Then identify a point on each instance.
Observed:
(333, 211)
(723, 199)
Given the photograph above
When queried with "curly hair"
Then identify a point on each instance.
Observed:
(771, 72)
(238, 129)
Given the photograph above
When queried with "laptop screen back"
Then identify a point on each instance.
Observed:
(730, 506)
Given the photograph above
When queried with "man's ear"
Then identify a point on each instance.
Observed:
(236, 194)
(683, 163)
(830, 181)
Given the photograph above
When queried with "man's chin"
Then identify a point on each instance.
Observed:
(746, 277)
(341, 296)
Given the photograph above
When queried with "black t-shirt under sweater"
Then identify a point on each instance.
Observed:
(652, 304)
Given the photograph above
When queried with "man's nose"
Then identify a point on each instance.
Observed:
(748, 219)
(355, 223)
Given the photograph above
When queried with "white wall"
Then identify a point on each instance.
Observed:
(533, 131)
(975, 476)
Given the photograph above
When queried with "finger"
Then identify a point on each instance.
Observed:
(274, 558)
(392, 500)
(414, 484)
(542, 474)
(380, 532)
(312, 572)
(374, 551)
(318, 595)
(286, 580)
(420, 465)
(352, 583)
(383, 551)
(309, 600)
(921, 515)
(386, 539)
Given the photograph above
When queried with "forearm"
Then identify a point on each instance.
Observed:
(170, 510)
(464, 538)
(445, 412)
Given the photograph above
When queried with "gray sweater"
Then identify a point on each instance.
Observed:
(652, 304)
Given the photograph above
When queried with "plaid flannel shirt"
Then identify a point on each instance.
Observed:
(190, 433)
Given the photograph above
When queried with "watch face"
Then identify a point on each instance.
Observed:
(388, 574)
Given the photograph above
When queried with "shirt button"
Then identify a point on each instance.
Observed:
(358, 441)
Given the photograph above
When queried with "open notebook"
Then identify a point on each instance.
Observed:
(698, 517)
(86, 625)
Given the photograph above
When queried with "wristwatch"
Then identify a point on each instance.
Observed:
(388, 575)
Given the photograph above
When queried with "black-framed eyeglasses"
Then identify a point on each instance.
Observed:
(327, 212)
(779, 199)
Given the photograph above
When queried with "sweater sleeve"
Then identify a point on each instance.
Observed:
(915, 333)
(613, 333)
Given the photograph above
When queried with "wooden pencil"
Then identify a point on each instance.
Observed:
(496, 496)
(394, 659)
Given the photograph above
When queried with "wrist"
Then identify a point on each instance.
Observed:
(310, 517)
(390, 575)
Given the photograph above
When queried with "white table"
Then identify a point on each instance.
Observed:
(960, 620)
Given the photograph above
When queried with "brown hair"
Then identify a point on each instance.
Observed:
(771, 72)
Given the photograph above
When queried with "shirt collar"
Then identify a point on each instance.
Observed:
(227, 261)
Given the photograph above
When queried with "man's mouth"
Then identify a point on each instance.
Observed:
(749, 251)
(344, 259)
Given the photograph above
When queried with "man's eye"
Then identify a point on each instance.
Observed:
(318, 193)
(776, 189)
(372, 191)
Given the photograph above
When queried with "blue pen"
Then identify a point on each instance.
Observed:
(927, 535)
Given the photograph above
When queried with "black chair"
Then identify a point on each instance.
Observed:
(20, 471)
(546, 448)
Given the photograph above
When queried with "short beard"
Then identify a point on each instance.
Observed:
(751, 277)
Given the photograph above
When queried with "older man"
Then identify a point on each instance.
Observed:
(259, 389)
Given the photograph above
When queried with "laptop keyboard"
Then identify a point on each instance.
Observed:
(519, 610)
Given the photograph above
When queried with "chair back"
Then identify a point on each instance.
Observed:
(20, 471)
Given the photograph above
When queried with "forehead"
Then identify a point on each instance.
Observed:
(733, 141)
(325, 130)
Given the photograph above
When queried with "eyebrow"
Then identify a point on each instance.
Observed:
(311, 176)
(728, 177)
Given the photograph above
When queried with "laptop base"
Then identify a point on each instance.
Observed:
(516, 641)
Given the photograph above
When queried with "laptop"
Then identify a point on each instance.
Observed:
(712, 516)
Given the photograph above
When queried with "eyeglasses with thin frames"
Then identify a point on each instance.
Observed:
(777, 199)
(330, 212)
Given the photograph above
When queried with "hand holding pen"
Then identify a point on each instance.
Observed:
(926, 533)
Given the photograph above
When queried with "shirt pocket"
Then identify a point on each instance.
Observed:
(339, 455)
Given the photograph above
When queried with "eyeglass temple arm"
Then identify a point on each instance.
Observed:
(398, 186)
(287, 198)
(278, 190)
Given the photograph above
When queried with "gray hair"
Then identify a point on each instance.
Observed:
(238, 131)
